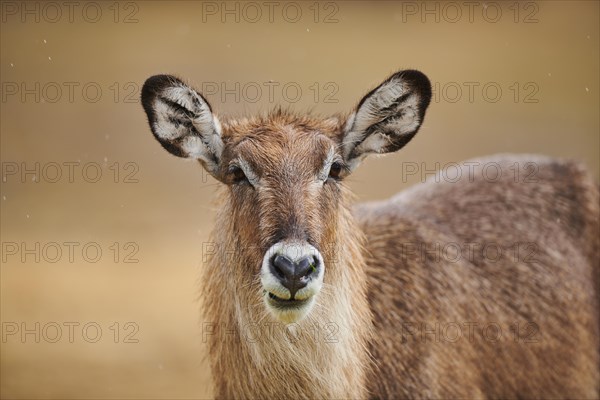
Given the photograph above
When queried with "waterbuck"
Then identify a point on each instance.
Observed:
(483, 285)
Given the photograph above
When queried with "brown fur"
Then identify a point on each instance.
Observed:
(378, 285)
(272, 367)
(552, 284)
(481, 287)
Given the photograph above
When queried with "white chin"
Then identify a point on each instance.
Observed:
(289, 313)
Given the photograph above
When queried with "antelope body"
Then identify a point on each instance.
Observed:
(470, 288)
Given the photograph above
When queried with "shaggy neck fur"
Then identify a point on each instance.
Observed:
(252, 355)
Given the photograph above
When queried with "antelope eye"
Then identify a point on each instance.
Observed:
(237, 174)
(335, 170)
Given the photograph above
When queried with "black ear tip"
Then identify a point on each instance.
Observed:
(418, 81)
(412, 75)
(155, 84)
(153, 87)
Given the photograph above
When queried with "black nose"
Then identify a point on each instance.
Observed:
(294, 275)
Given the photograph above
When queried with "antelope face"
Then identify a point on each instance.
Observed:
(284, 176)
(284, 179)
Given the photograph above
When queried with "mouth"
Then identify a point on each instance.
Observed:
(285, 304)
(288, 310)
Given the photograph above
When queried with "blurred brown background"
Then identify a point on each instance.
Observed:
(81, 171)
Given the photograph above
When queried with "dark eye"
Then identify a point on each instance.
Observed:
(237, 174)
(335, 170)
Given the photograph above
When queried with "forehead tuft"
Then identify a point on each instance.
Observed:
(279, 140)
(280, 125)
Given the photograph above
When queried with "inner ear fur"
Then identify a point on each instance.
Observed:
(388, 117)
(182, 120)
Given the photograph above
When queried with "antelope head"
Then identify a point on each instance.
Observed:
(284, 177)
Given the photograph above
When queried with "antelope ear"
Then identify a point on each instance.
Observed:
(182, 120)
(387, 117)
